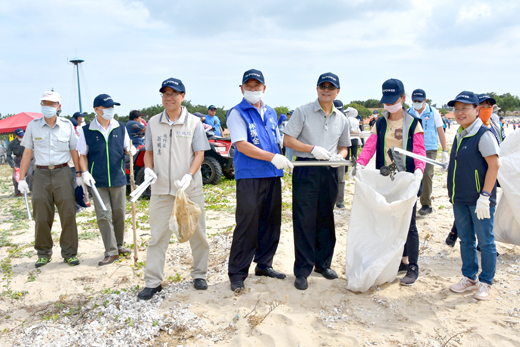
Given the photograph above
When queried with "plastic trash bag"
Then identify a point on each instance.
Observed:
(185, 217)
(378, 227)
(507, 216)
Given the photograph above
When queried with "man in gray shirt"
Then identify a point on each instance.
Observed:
(316, 131)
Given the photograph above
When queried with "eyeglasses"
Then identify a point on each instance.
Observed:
(170, 95)
(323, 87)
(464, 109)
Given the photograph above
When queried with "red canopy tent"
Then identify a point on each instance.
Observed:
(20, 120)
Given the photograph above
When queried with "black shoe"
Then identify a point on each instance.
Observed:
(402, 268)
(147, 293)
(269, 272)
(451, 239)
(340, 205)
(200, 284)
(327, 273)
(411, 275)
(301, 283)
(425, 210)
(237, 286)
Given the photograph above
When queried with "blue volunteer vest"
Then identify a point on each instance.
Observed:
(430, 130)
(467, 171)
(261, 134)
(106, 160)
(381, 126)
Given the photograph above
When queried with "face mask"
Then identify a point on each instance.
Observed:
(108, 113)
(393, 108)
(49, 111)
(253, 97)
(485, 114)
(417, 105)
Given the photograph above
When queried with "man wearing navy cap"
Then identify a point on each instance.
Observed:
(175, 144)
(433, 127)
(213, 120)
(316, 131)
(258, 170)
(102, 144)
(373, 120)
(136, 129)
(79, 117)
(15, 148)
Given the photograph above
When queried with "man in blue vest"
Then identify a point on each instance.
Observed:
(102, 144)
(213, 120)
(136, 128)
(258, 171)
(433, 127)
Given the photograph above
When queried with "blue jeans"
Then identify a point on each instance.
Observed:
(471, 228)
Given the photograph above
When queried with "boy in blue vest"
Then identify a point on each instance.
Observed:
(258, 170)
(102, 144)
(433, 127)
(472, 177)
(213, 120)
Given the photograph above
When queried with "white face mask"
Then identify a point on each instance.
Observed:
(417, 105)
(393, 108)
(49, 111)
(253, 97)
(108, 113)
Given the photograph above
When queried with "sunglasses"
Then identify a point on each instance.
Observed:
(323, 87)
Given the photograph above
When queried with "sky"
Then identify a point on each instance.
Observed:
(130, 47)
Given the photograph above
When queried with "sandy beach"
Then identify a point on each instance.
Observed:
(90, 305)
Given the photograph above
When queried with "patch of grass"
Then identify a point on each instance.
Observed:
(7, 270)
(18, 251)
(177, 278)
(88, 224)
(88, 235)
(32, 275)
(139, 265)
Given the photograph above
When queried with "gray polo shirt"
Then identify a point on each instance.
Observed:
(51, 146)
(309, 124)
(487, 144)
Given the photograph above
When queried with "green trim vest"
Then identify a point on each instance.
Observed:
(106, 160)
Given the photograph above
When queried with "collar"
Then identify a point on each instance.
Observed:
(317, 107)
(183, 118)
(471, 130)
(58, 120)
(96, 125)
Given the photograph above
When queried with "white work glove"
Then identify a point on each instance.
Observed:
(132, 150)
(79, 180)
(23, 187)
(184, 182)
(320, 153)
(281, 162)
(418, 174)
(336, 157)
(352, 173)
(88, 179)
(149, 173)
(445, 157)
(482, 209)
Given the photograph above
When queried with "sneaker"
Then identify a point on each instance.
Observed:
(425, 210)
(412, 274)
(451, 239)
(72, 261)
(402, 268)
(482, 292)
(465, 285)
(42, 261)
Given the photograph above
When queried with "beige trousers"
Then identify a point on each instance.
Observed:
(161, 207)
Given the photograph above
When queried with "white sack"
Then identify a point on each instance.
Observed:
(507, 216)
(378, 227)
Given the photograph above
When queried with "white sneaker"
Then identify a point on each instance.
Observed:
(465, 285)
(483, 291)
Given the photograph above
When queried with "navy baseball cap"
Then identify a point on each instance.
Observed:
(418, 94)
(77, 114)
(105, 100)
(290, 112)
(392, 90)
(253, 74)
(466, 98)
(19, 132)
(338, 104)
(484, 97)
(174, 83)
(79, 193)
(375, 112)
(329, 77)
(212, 107)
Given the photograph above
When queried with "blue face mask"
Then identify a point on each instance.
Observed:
(49, 111)
(108, 113)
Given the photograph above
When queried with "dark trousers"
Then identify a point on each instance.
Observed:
(315, 189)
(54, 187)
(411, 247)
(259, 218)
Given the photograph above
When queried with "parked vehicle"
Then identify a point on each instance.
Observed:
(138, 162)
(218, 160)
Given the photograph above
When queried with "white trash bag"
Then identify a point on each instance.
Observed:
(507, 216)
(378, 227)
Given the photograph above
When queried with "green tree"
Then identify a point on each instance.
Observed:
(281, 109)
(362, 110)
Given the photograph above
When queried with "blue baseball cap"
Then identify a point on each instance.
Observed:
(104, 100)
(418, 94)
(78, 114)
(19, 132)
(212, 107)
(253, 74)
(290, 112)
(466, 98)
(329, 77)
(375, 112)
(338, 104)
(484, 97)
(174, 83)
(392, 90)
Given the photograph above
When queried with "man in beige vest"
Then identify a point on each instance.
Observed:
(175, 145)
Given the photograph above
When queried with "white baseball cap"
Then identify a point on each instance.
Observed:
(51, 96)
